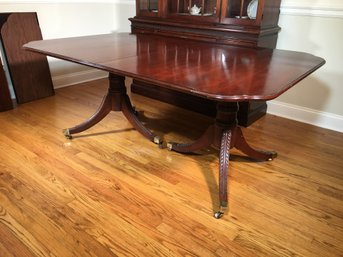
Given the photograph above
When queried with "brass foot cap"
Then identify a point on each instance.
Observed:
(272, 156)
(67, 134)
(170, 146)
(222, 210)
(157, 140)
(218, 214)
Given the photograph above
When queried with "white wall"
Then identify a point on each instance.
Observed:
(313, 26)
(66, 19)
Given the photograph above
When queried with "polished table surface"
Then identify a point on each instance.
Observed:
(226, 74)
(218, 72)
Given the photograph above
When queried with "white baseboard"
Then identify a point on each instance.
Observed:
(77, 77)
(306, 115)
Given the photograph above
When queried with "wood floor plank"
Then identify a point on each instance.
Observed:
(111, 192)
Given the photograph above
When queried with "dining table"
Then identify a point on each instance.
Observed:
(226, 74)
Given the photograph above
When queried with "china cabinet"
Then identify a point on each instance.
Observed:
(248, 23)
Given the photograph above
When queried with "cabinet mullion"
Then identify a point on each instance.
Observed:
(241, 9)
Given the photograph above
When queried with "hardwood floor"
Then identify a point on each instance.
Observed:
(110, 192)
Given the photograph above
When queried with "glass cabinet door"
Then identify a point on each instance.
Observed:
(147, 7)
(194, 7)
(239, 10)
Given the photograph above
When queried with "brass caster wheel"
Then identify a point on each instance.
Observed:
(218, 214)
(273, 155)
(67, 134)
(170, 146)
(157, 140)
(222, 210)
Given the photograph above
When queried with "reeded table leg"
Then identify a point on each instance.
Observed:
(224, 155)
(224, 134)
(116, 99)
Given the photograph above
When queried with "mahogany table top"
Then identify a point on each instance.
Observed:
(209, 70)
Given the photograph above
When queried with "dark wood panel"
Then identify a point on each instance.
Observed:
(29, 72)
(5, 97)
(190, 102)
(220, 34)
(248, 112)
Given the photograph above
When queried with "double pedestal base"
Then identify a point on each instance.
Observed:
(224, 134)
